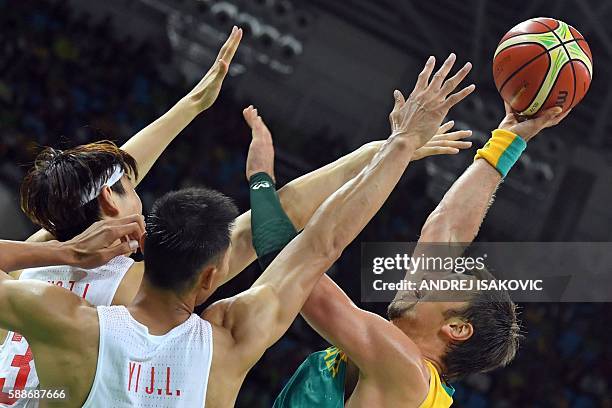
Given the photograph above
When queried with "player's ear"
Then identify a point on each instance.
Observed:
(207, 277)
(457, 329)
(106, 199)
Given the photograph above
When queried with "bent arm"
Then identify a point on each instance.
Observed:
(37, 310)
(285, 285)
(460, 213)
(21, 255)
(300, 198)
(95, 246)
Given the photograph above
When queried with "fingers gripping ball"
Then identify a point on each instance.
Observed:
(542, 63)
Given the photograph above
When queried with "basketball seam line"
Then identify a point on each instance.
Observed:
(570, 62)
(546, 51)
(531, 19)
(528, 62)
(535, 95)
(552, 86)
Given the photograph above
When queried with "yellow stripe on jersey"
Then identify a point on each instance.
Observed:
(440, 395)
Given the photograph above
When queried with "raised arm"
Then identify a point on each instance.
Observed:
(258, 317)
(301, 197)
(458, 217)
(370, 341)
(460, 213)
(147, 145)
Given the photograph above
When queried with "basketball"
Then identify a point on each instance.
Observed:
(542, 63)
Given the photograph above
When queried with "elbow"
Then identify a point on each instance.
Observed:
(329, 252)
(290, 200)
(334, 250)
(326, 247)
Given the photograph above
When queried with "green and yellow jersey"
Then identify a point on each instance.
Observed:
(319, 382)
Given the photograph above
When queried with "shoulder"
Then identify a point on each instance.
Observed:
(129, 285)
(397, 361)
(215, 315)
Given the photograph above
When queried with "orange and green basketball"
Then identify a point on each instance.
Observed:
(542, 63)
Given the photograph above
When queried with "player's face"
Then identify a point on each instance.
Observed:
(427, 318)
(427, 311)
(128, 203)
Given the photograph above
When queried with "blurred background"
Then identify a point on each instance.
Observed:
(321, 73)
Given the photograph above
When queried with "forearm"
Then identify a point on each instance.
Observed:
(300, 199)
(20, 255)
(460, 213)
(342, 216)
(269, 240)
(294, 273)
(329, 310)
(147, 145)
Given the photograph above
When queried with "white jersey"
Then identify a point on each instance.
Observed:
(97, 286)
(137, 369)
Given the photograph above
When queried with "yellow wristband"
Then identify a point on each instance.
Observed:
(502, 150)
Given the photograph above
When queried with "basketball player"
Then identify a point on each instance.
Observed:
(156, 352)
(67, 191)
(407, 360)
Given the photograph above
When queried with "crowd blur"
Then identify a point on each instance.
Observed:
(66, 79)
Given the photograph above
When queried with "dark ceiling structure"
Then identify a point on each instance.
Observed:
(472, 28)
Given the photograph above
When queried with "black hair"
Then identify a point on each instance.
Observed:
(51, 192)
(495, 338)
(186, 230)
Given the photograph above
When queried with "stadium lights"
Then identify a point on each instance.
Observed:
(272, 30)
(290, 46)
(249, 24)
(225, 13)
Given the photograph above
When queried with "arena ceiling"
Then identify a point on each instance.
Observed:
(473, 28)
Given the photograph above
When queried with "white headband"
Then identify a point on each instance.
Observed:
(96, 189)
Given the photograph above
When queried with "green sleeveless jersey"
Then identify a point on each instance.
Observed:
(318, 382)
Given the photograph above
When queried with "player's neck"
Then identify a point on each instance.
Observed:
(432, 349)
(160, 310)
(436, 362)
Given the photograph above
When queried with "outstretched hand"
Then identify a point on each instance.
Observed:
(207, 90)
(261, 151)
(444, 143)
(527, 129)
(422, 113)
(98, 244)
